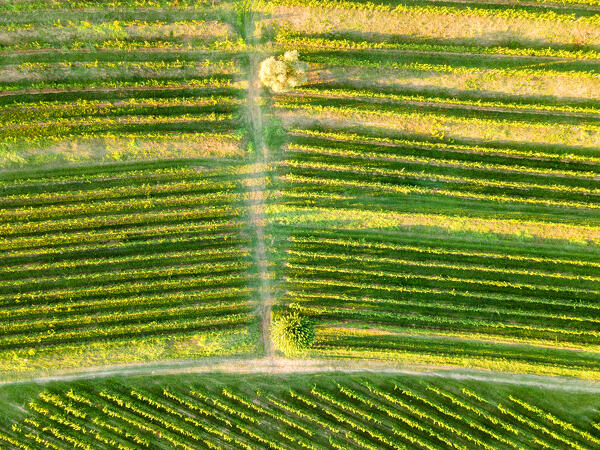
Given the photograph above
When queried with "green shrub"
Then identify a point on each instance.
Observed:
(292, 333)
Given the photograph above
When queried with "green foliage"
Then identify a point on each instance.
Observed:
(297, 40)
(274, 133)
(304, 411)
(116, 268)
(423, 7)
(292, 333)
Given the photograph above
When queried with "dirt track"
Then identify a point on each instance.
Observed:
(275, 365)
(258, 187)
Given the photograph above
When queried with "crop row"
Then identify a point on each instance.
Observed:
(396, 284)
(156, 217)
(293, 40)
(437, 64)
(306, 290)
(113, 175)
(395, 413)
(126, 288)
(391, 109)
(425, 156)
(453, 147)
(458, 351)
(40, 130)
(23, 286)
(344, 172)
(23, 112)
(556, 278)
(482, 173)
(156, 251)
(94, 208)
(373, 246)
(407, 315)
(43, 5)
(121, 328)
(424, 7)
(80, 66)
(170, 187)
(123, 240)
(484, 200)
(116, 84)
(449, 247)
(480, 104)
(76, 24)
(157, 258)
(206, 298)
(134, 44)
(450, 278)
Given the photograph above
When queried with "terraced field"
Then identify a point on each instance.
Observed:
(307, 412)
(438, 188)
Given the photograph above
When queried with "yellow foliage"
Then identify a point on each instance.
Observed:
(283, 73)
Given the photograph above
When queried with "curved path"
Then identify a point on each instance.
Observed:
(276, 365)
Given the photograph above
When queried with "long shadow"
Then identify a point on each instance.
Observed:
(56, 175)
(554, 149)
(192, 126)
(456, 240)
(449, 111)
(558, 8)
(119, 55)
(141, 111)
(435, 92)
(124, 93)
(495, 40)
(59, 42)
(97, 81)
(468, 61)
(419, 149)
(112, 14)
(157, 93)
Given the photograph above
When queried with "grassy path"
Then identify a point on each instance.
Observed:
(257, 187)
(277, 365)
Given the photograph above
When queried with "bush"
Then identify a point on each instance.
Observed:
(283, 73)
(292, 333)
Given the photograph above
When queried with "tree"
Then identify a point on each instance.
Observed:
(283, 73)
(292, 333)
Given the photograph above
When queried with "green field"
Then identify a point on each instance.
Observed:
(427, 214)
(124, 263)
(124, 210)
(311, 411)
(428, 199)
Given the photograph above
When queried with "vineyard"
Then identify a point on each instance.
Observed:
(438, 189)
(124, 263)
(299, 224)
(282, 412)
(107, 84)
(124, 208)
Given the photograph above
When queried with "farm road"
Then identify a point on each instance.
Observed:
(276, 365)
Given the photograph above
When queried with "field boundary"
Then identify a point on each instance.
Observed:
(258, 187)
(281, 366)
